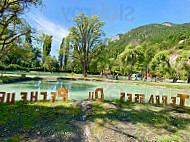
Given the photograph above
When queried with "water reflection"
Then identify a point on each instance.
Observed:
(79, 90)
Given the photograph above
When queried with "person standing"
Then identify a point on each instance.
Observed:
(116, 77)
(106, 75)
(113, 75)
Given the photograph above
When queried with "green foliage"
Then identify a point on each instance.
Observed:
(47, 47)
(61, 52)
(153, 36)
(64, 53)
(171, 63)
(27, 56)
(130, 56)
(163, 48)
(12, 25)
(37, 69)
(86, 39)
(13, 67)
(183, 63)
(51, 64)
(2, 67)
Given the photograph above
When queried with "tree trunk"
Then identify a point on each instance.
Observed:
(175, 79)
(84, 72)
(129, 78)
(141, 75)
(84, 69)
(177, 75)
(188, 80)
(110, 69)
(65, 62)
(61, 64)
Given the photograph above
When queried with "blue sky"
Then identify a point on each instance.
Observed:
(120, 16)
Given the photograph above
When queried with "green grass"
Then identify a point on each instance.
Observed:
(113, 121)
(5, 78)
(167, 85)
(173, 121)
(37, 73)
(47, 119)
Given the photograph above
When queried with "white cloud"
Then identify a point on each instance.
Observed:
(41, 23)
(50, 28)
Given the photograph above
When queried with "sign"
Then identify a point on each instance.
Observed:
(63, 93)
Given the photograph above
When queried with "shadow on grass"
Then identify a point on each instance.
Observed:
(15, 79)
(39, 120)
(169, 118)
(62, 121)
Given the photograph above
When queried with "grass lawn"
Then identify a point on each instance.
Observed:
(105, 121)
(31, 122)
(4, 78)
(139, 122)
(167, 85)
(37, 73)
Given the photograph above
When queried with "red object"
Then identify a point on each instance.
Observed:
(149, 75)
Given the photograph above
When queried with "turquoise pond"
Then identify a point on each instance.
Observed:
(79, 90)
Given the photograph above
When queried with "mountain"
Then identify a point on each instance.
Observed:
(113, 39)
(167, 35)
(168, 24)
(164, 48)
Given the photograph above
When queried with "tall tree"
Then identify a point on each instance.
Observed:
(47, 47)
(61, 52)
(130, 56)
(163, 63)
(183, 64)
(66, 51)
(11, 25)
(51, 64)
(37, 57)
(86, 36)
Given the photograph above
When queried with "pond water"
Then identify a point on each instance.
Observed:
(79, 90)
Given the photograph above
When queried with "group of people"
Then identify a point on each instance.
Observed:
(107, 75)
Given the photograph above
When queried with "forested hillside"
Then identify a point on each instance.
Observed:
(166, 36)
(164, 48)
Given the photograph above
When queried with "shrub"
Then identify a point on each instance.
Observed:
(13, 67)
(2, 67)
(37, 69)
